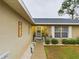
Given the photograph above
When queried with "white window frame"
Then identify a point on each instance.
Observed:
(69, 32)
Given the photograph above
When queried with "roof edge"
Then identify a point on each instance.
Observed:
(26, 10)
(57, 23)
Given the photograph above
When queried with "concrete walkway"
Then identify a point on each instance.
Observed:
(39, 52)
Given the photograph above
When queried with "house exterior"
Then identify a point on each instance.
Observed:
(57, 27)
(15, 30)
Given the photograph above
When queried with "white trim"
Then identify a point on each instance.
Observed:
(70, 32)
(53, 31)
(25, 8)
(57, 23)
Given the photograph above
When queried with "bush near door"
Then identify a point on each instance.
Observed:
(54, 41)
(47, 41)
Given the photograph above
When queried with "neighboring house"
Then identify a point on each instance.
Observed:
(57, 27)
(15, 30)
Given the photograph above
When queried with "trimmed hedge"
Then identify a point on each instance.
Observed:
(69, 41)
(64, 41)
(54, 41)
(77, 41)
(47, 41)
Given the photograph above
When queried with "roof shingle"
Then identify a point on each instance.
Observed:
(55, 20)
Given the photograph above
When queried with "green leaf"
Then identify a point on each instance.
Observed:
(66, 5)
(78, 1)
(60, 11)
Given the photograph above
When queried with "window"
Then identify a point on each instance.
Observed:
(64, 31)
(57, 32)
(61, 31)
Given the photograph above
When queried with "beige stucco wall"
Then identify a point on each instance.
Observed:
(75, 31)
(9, 40)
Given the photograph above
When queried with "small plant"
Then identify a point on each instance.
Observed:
(54, 41)
(47, 41)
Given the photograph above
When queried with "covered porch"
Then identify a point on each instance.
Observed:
(42, 32)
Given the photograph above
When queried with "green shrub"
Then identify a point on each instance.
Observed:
(77, 41)
(64, 41)
(54, 41)
(47, 41)
(72, 41)
(69, 41)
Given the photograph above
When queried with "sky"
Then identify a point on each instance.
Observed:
(44, 8)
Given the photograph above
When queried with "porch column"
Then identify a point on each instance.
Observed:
(70, 32)
(53, 31)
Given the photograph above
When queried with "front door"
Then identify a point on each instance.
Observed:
(38, 32)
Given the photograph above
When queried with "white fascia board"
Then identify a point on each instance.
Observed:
(25, 8)
(58, 23)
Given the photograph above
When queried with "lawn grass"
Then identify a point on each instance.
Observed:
(62, 52)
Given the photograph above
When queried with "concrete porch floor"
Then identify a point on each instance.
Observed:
(39, 52)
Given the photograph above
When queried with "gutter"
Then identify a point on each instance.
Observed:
(56, 23)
